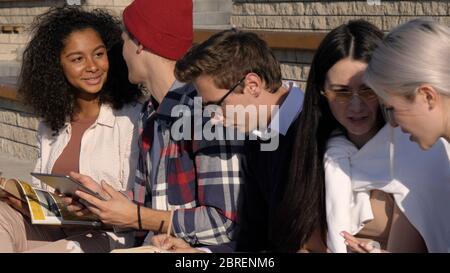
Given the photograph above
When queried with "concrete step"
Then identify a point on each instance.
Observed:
(212, 26)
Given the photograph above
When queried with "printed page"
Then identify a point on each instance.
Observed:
(46, 208)
(12, 187)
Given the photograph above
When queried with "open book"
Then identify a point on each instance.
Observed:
(45, 208)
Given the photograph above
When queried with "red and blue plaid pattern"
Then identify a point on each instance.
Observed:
(199, 179)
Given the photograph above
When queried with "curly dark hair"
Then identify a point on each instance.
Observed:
(42, 83)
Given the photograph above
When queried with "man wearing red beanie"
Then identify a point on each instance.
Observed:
(191, 186)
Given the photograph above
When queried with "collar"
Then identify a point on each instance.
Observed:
(106, 116)
(179, 94)
(287, 113)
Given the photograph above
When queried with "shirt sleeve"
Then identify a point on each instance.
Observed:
(128, 194)
(38, 166)
(141, 193)
(219, 181)
(131, 155)
(229, 247)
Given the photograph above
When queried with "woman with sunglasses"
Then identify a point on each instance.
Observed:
(340, 180)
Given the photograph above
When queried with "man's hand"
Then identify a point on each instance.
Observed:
(87, 181)
(116, 211)
(73, 203)
(74, 206)
(173, 244)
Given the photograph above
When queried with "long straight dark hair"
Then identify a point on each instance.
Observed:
(302, 209)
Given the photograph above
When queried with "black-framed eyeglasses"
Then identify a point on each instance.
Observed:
(219, 102)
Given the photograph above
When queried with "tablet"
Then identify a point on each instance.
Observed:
(65, 184)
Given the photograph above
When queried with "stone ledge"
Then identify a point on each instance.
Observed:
(294, 56)
(8, 92)
(14, 106)
(276, 40)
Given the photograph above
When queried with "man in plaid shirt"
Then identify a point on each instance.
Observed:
(198, 180)
(237, 68)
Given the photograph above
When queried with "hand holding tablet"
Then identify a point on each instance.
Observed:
(65, 184)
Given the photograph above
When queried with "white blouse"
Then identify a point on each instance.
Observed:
(109, 148)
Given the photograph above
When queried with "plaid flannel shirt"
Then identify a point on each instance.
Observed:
(199, 179)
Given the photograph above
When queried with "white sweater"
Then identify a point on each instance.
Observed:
(109, 148)
(420, 184)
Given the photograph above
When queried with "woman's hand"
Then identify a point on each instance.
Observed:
(173, 244)
(73, 203)
(15, 203)
(358, 246)
(74, 206)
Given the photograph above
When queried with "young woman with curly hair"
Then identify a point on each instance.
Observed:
(74, 77)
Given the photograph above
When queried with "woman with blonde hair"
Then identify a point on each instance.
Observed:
(410, 71)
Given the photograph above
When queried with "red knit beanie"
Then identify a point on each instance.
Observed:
(164, 27)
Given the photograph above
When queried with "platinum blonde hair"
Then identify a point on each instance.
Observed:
(414, 53)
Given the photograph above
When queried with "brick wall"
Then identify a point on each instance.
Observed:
(18, 126)
(17, 130)
(325, 15)
(212, 13)
(207, 14)
(322, 16)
